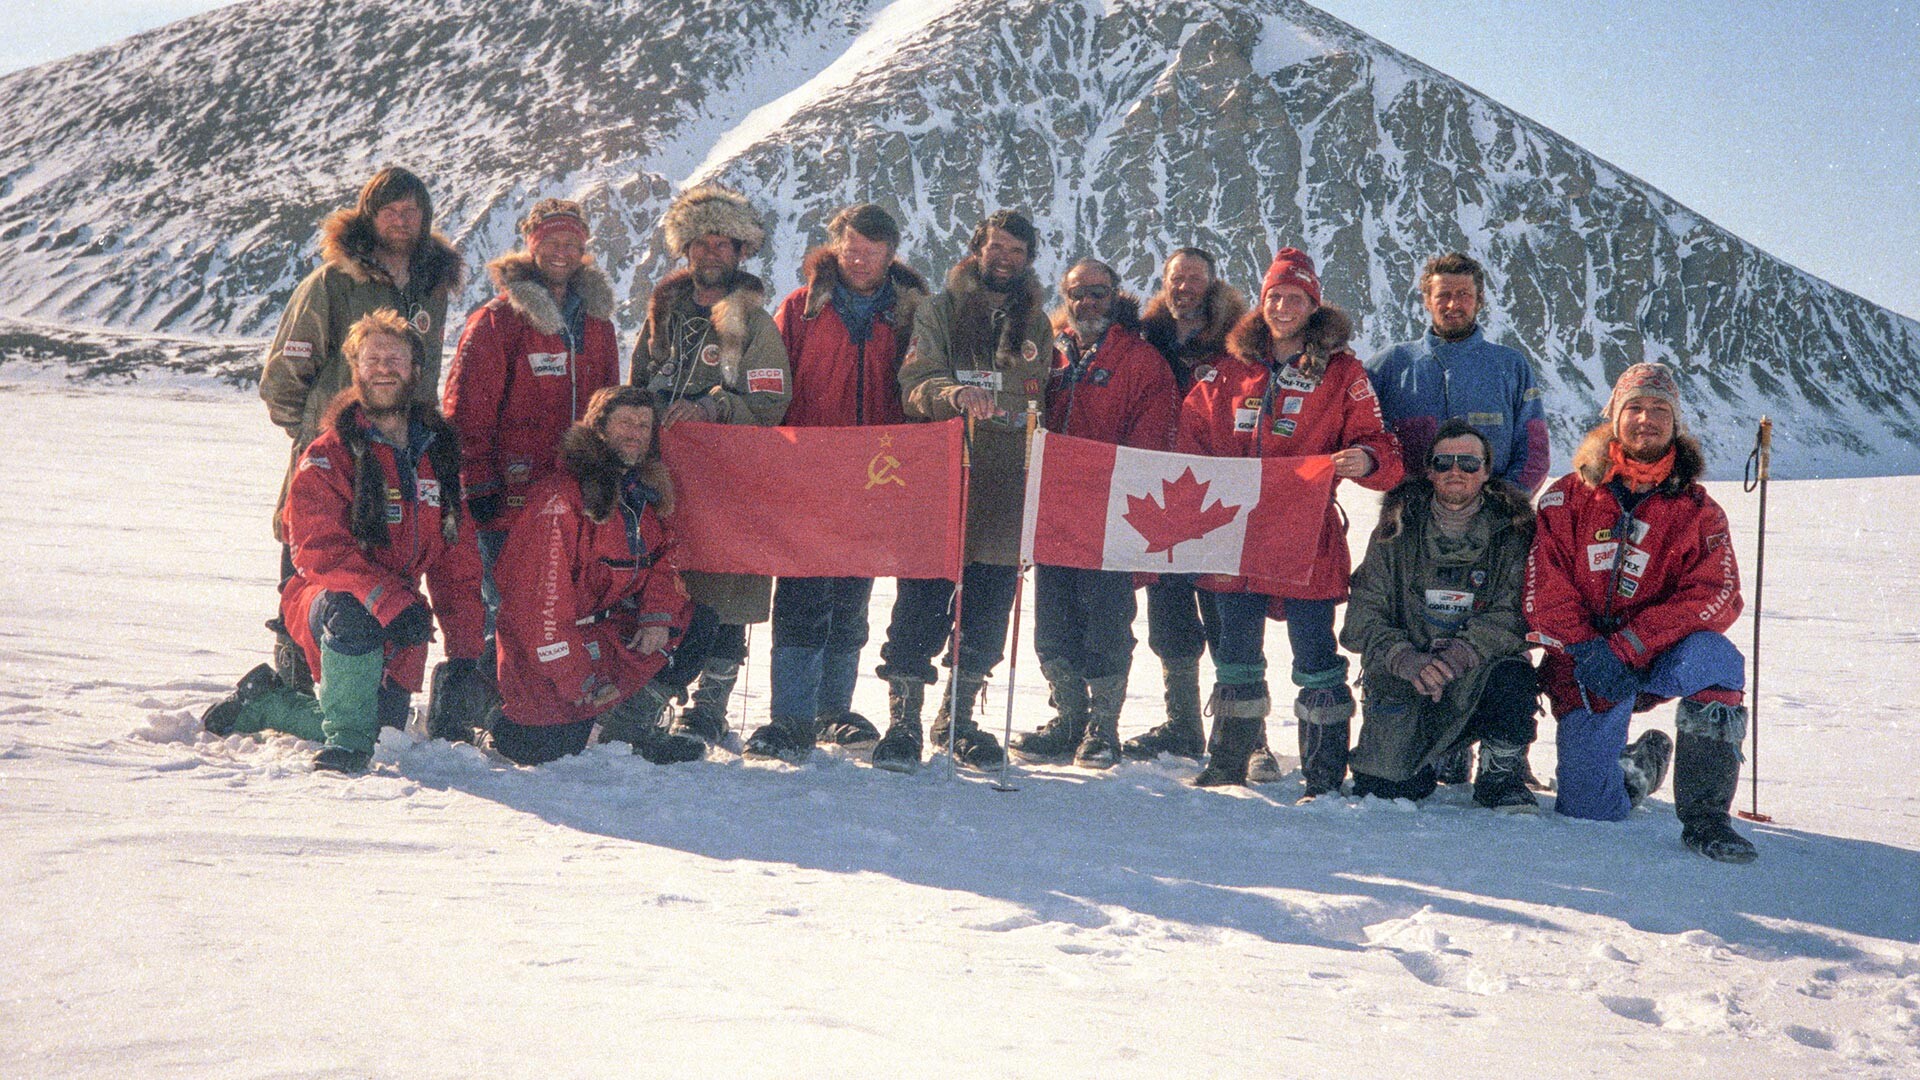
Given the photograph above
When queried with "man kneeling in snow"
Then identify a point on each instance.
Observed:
(1631, 586)
(373, 506)
(1435, 617)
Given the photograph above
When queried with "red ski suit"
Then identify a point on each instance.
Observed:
(1232, 414)
(1679, 575)
(328, 557)
(517, 383)
(1124, 393)
(562, 564)
(837, 383)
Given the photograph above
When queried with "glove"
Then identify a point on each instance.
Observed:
(1601, 673)
(486, 508)
(1456, 654)
(414, 626)
(1406, 662)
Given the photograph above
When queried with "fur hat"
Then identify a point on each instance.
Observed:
(1293, 267)
(709, 209)
(1646, 380)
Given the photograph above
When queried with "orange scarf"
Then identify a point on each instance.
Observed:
(1639, 475)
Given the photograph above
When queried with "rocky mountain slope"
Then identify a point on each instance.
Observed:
(172, 183)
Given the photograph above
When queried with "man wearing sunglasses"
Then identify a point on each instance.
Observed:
(1632, 586)
(1435, 618)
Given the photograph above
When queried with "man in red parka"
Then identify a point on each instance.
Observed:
(1108, 384)
(590, 599)
(373, 507)
(846, 331)
(1631, 586)
(527, 363)
(1288, 386)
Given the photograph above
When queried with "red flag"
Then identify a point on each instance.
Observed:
(1098, 506)
(817, 501)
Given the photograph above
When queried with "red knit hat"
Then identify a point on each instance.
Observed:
(1293, 267)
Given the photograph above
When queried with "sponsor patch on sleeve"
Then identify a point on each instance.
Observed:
(1553, 498)
(766, 380)
(549, 653)
(548, 363)
(297, 350)
(1361, 390)
(1716, 541)
(315, 461)
(1548, 640)
(1532, 393)
(1486, 419)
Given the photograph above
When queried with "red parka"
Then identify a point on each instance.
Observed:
(1123, 392)
(838, 382)
(518, 380)
(585, 550)
(1246, 409)
(1678, 574)
(365, 519)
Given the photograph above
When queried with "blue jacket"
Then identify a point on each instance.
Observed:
(1421, 384)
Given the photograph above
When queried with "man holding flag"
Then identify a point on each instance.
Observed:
(1107, 384)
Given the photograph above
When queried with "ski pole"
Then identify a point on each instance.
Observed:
(1013, 649)
(959, 591)
(1757, 468)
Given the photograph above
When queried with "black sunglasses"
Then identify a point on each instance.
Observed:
(1467, 463)
(1089, 292)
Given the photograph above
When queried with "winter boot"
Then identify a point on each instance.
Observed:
(349, 694)
(705, 721)
(848, 729)
(899, 749)
(221, 717)
(1326, 730)
(1501, 784)
(1239, 729)
(1100, 747)
(954, 723)
(289, 660)
(1182, 734)
(1456, 766)
(459, 700)
(1706, 776)
(786, 738)
(1645, 763)
(636, 719)
(395, 707)
(1057, 739)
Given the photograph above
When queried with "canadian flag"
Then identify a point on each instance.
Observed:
(1098, 506)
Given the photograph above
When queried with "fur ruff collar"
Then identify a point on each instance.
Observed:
(519, 280)
(1328, 331)
(1126, 314)
(980, 310)
(822, 272)
(367, 520)
(1689, 461)
(730, 316)
(589, 460)
(346, 245)
(1223, 308)
(1413, 497)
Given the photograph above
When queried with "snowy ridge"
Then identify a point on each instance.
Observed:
(180, 904)
(173, 182)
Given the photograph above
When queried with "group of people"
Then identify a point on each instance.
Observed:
(537, 511)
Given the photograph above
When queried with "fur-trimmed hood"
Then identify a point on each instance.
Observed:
(1125, 314)
(588, 459)
(1689, 461)
(821, 271)
(519, 280)
(367, 521)
(1224, 306)
(1328, 331)
(1414, 496)
(347, 243)
(976, 306)
(729, 316)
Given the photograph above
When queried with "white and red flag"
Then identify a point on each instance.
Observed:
(881, 501)
(1098, 506)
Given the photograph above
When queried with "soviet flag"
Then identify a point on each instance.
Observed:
(882, 501)
(1098, 506)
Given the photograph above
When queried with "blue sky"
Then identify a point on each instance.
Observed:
(1793, 123)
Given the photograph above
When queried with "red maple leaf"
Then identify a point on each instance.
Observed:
(1179, 515)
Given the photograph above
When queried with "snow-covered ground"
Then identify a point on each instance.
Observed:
(179, 905)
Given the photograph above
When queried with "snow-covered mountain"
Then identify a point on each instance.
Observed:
(172, 183)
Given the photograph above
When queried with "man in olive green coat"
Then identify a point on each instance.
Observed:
(981, 349)
(1435, 616)
(380, 253)
(710, 352)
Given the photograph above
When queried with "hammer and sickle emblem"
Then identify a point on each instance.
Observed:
(883, 469)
